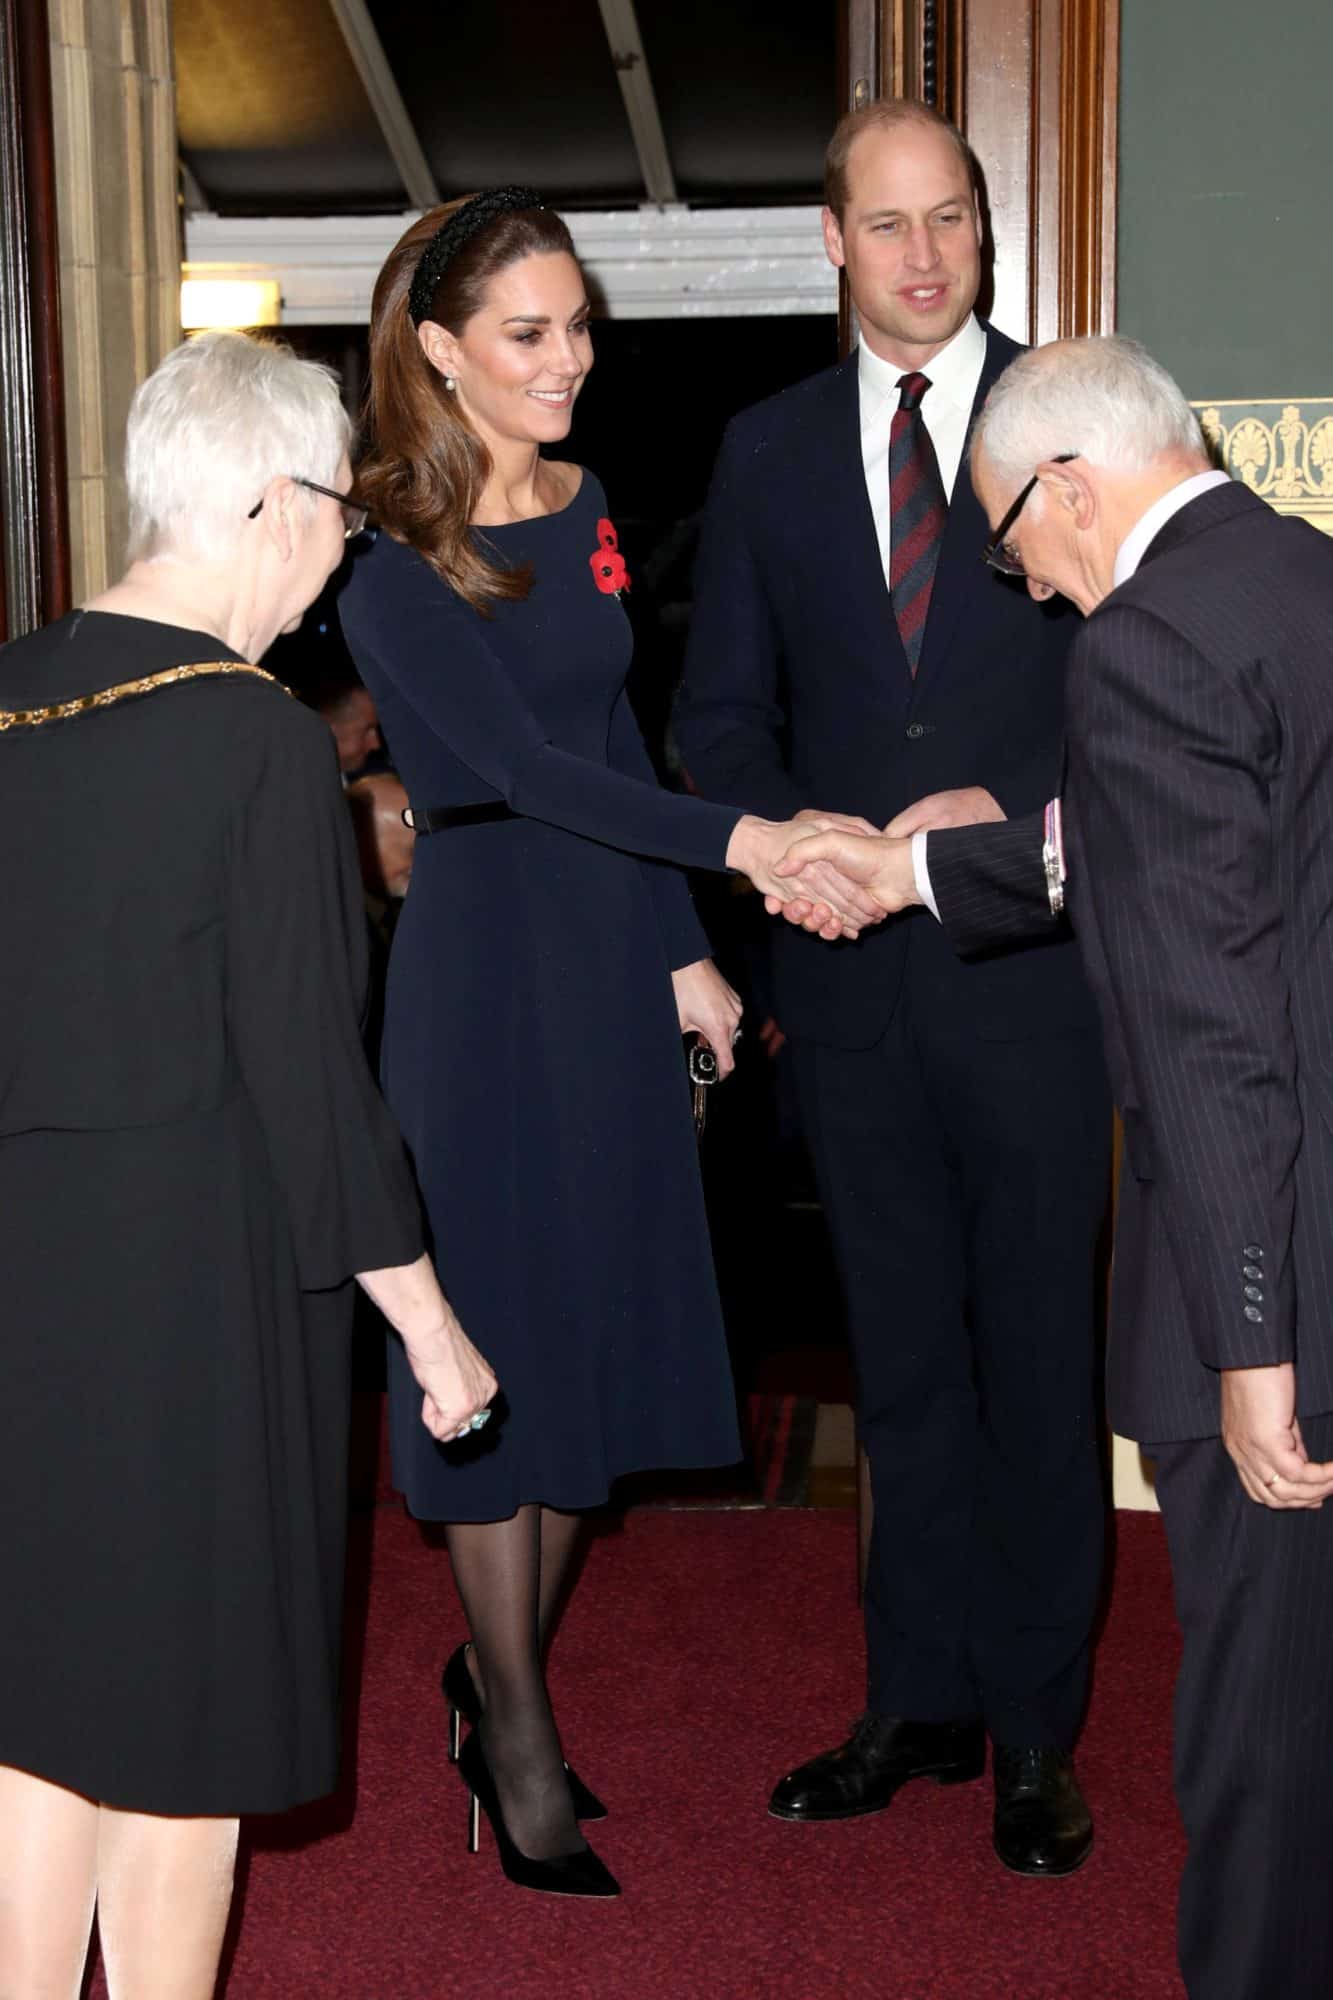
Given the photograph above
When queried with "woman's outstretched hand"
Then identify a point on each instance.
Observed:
(833, 905)
(707, 1006)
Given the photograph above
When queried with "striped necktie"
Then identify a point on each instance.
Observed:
(918, 511)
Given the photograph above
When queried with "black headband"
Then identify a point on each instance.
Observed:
(460, 228)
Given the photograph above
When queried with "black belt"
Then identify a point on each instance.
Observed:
(434, 819)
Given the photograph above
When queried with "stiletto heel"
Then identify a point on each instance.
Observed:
(579, 1874)
(473, 1824)
(460, 1692)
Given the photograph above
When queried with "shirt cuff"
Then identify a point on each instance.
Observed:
(921, 875)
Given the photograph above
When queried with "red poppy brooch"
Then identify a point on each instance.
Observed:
(608, 565)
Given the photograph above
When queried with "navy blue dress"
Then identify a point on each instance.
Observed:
(532, 1054)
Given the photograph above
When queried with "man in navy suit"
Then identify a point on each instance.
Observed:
(849, 646)
(1200, 817)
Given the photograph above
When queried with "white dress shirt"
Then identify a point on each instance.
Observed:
(946, 411)
(1127, 559)
(1146, 529)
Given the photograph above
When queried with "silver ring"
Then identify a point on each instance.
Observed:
(482, 1417)
(465, 1431)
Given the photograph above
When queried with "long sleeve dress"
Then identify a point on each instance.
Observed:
(531, 1047)
(193, 1161)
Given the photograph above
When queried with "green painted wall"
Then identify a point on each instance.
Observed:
(1226, 192)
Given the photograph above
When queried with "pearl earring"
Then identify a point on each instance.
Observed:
(449, 383)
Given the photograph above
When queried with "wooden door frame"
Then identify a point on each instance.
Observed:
(34, 491)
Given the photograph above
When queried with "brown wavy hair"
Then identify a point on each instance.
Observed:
(424, 467)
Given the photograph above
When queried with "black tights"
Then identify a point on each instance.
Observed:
(511, 1577)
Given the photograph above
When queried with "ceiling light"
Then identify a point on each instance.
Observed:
(229, 302)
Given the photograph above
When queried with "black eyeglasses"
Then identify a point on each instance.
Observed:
(354, 514)
(1002, 555)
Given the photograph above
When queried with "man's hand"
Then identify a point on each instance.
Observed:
(1260, 1431)
(880, 868)
(966, 807)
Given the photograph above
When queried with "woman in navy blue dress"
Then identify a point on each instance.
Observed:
(547, 961)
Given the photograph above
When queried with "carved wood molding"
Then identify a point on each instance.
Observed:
(1084, 300)
(33, 495)
(18, 416)
(44, 280)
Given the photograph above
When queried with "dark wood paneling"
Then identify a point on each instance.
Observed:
(34, 502)
(39, 178)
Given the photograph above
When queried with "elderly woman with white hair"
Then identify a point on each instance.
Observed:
(194, 1163)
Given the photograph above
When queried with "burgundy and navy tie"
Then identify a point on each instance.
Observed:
(918, 511)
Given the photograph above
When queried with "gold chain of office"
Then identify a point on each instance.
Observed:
(84, 704)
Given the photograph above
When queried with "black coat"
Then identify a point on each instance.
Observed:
(1199, 813)
(193, 1162)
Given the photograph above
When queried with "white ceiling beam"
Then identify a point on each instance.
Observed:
(377, 79)
(646, 263)
(636, 87)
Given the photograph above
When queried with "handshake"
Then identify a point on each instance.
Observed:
(834, 873)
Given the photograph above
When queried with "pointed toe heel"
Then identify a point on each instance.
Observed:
(577, 1874)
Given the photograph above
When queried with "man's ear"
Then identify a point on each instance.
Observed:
(439, 347)
(1067, 486)
(833, 247)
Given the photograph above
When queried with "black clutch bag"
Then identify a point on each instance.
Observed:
(702, 1065)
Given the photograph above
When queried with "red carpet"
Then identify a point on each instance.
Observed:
(704, 1653)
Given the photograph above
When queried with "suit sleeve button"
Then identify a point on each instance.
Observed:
(1252, 1271)
(1253, 1293)
(1253, 1250)
(1253, 1313)
(913, 731)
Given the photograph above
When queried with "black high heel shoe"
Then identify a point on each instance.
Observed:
(578, 1874)
(460, 1692)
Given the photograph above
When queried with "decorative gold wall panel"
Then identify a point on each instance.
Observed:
(1282, 447)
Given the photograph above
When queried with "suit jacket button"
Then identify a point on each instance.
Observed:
(1253, 1250)
(913, 731)
(1253, 1313)
(1252, 1271)
(1253, 1292)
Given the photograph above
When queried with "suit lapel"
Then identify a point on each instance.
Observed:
(1208, 510)
(846, 506)
(961, 576)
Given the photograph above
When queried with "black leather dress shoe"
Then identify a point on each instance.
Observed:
(880, 1755)
(1042, 1822)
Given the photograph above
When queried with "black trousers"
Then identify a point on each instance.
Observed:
(1254, 1728)
(965, 1183)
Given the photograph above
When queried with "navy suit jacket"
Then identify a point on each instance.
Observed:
(1199, 817)
(797, 692)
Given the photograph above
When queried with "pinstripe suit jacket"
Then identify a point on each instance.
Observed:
(1199, 818)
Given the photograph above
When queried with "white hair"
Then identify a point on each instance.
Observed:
(1104, 398)
(219, 418)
